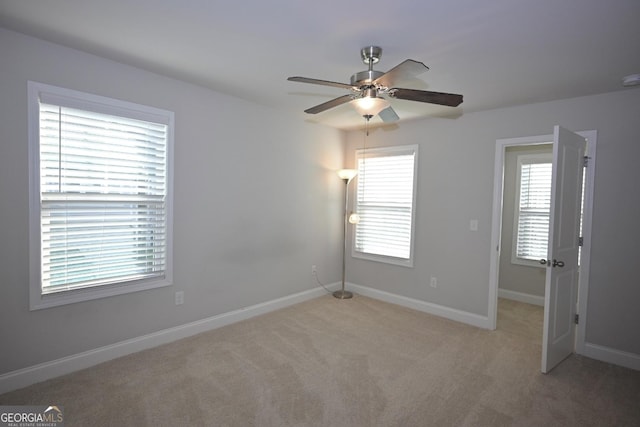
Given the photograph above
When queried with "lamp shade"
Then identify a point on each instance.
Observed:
(369, 105)
(347, 174)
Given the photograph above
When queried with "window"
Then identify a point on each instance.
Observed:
(385, 201)
(533, 204)
(100, 196)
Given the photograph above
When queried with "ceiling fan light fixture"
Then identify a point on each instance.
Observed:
(369, 105)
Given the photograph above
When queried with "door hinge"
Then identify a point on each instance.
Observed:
(585, 162)
(580, 241)
(576, 318)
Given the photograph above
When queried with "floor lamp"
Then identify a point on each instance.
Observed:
(346, 175)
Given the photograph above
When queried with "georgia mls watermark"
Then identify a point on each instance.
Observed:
(31, 416)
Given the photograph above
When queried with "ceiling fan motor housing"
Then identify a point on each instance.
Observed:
(364, 78)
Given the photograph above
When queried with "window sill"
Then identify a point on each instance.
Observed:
(39, 301)
(383, 259)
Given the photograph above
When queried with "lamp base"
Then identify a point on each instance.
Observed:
(343, 294)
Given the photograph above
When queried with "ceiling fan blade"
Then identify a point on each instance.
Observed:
(388, 115)
(329, 104)
(320, 82)
(440, 98)
(403, 71)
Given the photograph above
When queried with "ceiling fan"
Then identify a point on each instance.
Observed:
(370, 88)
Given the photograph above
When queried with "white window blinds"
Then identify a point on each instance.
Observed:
(103, 194)
(385, 202)
(534, 203)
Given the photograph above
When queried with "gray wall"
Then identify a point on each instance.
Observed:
(257, 202)
(517, 277)
(455, 184)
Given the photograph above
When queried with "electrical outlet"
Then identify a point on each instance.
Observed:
(314, 270)
(179, 297)
(433, 282)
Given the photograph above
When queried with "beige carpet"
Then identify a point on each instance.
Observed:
(356, 362)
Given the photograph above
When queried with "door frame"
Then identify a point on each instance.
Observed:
(496, 226)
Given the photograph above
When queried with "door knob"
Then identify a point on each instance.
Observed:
(545, 262)
(558, 263)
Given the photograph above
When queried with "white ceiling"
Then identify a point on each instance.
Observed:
(497, 53)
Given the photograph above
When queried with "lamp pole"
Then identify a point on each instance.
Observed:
(346, 175)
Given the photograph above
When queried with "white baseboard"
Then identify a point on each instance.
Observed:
(522, 297)
(427, 307)
(610, 355)
(47, 370)
(593, 351)
(55, 368)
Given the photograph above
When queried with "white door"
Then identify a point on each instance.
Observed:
(561, 286)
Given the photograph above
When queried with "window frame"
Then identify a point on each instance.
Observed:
(379, 152)
(521, 159)
(90, 102)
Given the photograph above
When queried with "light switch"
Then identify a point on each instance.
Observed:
(473, 225)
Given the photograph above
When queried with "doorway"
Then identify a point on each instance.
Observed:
(498, 203)
(527, 174)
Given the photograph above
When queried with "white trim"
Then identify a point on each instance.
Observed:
(51, 369)
(521, 296)
(585, 254)
(610, 355)
(426, 307)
